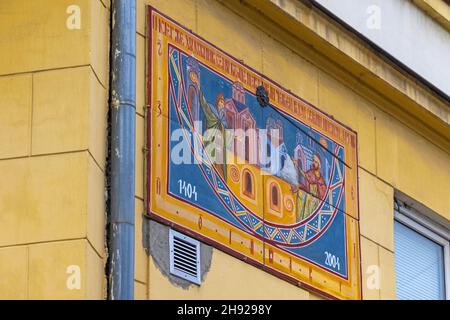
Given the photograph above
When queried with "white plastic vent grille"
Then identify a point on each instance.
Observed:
(184, 257)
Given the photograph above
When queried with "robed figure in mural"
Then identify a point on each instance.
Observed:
(214, 137)
(315, 187)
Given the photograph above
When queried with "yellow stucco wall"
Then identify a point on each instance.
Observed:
(391, 155)
(53, 99)
(53, 104)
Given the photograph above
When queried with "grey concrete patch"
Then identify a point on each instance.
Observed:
(155, 239)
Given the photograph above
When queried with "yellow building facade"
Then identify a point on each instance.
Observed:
(54, 87)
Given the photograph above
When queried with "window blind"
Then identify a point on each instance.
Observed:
(419, 265)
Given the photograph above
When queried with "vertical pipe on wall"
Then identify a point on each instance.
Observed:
(122, 151)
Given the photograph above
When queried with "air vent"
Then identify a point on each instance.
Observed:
(184, 257)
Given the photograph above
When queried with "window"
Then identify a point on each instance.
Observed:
(184, 257)
(274, 196)
(248, 184)
(193, 102)
(230, 121)
(421, 257)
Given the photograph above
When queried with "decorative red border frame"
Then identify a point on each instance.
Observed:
(156, 217)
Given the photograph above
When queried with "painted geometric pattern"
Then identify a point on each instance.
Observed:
(294, 235)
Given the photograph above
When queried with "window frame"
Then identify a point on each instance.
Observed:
(250, 194)
(429, 229)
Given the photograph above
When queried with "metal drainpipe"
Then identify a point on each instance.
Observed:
(123, 122)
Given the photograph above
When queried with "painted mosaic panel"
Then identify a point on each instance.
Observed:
(274, 185)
